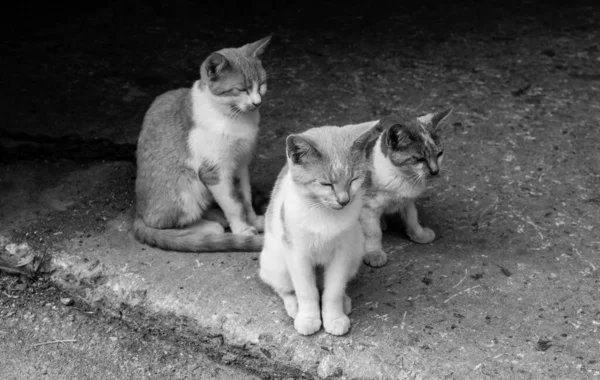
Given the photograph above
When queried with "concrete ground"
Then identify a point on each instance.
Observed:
(46, 335)
(510, 287)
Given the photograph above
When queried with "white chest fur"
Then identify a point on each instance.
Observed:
(218, 137)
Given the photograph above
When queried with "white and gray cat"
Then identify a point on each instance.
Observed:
(194, 150)
(407, 153)
(312, 222)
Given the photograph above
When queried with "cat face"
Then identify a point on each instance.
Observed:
(415, 147)
(236, 78)
(327, 165)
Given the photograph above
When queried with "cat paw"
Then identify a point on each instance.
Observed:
(375, 259)
(212, 228)
(426, 235)
(347, 304)
(248, 231)
(337, 326)
(307, 325)
(259, 223)
(291, 306)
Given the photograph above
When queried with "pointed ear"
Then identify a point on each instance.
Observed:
(299, 149)
(367, 137)
(215, 64)
(434, 120)
(397, 136)
(255, 49)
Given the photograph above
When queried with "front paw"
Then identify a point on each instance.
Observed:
(250, 231)
(259, 223)
(426, 235)
(243, 229)
(337, 326)
(307, 325)
(375, 259)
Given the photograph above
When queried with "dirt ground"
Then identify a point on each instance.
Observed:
(509, 289)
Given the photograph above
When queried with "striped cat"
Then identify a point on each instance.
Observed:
(402, 158)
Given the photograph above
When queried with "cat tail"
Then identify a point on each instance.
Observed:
(194, 240)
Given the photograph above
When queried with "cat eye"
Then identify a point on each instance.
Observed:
(420, 159)
(440, 153)
(353, 179)
(326, 184)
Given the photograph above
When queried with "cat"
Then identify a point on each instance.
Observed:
(194, 150)
(313, 221)
(401, 159)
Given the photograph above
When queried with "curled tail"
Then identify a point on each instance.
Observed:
(194, 240)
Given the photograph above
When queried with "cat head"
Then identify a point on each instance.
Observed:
(328, 164)
(235, 77)
(415, 146)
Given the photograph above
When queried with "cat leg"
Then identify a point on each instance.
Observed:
(228, 194)
(371, 225)
(347, 304)
(308, 319)
(273, 271)
(335, 302)
(383, 223)
(257, 221)
(409, 215)
(215, 214)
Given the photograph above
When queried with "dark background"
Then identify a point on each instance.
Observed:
(65, 68)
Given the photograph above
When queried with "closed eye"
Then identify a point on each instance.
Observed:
(419, 159)
(326, 184)
(440, 153)
(353, 179)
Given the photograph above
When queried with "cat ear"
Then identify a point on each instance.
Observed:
(364, 139)
(215, 64)
(255, 49)
(397, 136)
(434, 120)
(299, 148)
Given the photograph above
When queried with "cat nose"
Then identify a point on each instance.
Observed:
(257, 104)
(343, 199)
(434, 171)
(343, 202)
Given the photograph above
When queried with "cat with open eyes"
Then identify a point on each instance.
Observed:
(401, 159)
(193, 157)
(312, 222)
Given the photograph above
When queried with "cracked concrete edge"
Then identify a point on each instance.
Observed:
(99, 284)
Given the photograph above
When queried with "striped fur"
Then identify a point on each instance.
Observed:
(402, 158)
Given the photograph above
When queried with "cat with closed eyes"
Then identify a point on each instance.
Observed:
(193, 158)
(312, 222)
(406, 154)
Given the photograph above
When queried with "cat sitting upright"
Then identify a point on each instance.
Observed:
(313, 221)
(401, 159)
(195, 149)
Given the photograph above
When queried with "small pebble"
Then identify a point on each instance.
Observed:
(66, 301)
(552, 276)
